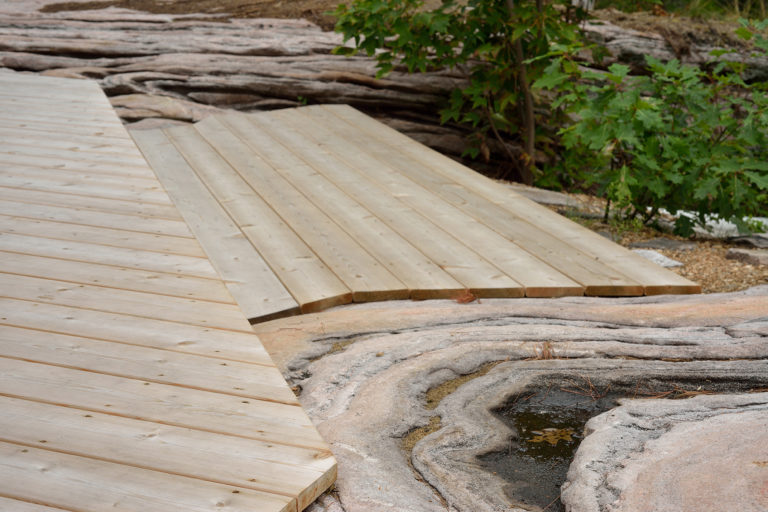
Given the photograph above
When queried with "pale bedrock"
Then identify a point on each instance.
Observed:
(369, 391)
(708, 453)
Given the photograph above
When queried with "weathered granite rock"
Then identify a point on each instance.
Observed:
(364, 371)
(632, 46)
(708, 453)
(751, 256)
(145, 106)
(664, 243)
(756, 240)
(245, 64)
(657, 258)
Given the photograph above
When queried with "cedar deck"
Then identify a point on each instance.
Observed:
(318, 206)
(129, 377)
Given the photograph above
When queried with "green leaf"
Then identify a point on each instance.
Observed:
(744, 33)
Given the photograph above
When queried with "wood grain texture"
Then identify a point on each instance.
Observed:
(326, 194)
(129, 377)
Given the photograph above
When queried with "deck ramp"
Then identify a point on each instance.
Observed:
(129, 378)
(343, 208)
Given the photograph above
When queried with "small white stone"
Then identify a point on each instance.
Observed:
(657, 258)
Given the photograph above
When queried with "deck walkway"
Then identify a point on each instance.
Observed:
(341, 208)
(129, 378)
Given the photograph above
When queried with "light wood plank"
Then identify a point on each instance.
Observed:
(22, 506)
(656, 279)
(171, 336)
(19, 83)
(111, 135)
(102, 236)
(126, 302)
(74, 119)
(253, 284)
(89, 485)
(245, 463)
(98, 186)
(429, 192)
(468, 267)
(261, 420)
(245, 380)
(421, 276)
(96, 219)
(115, 277)
(52, 105)
(362, 273)
(106, 255)
(26, 157)
(43, 126)
(76, 199)
(511, 254)
(310, 281)
(45, 149)
(107, 145)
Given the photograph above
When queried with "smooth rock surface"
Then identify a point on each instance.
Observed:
(751, 256)
(704, 454)
(364, 371)
(664, 243)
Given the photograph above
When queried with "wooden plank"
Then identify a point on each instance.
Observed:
(251, 281)
(18, 83)
(99, 186)
(106, 255)
(261, 420)
(510, 254)
(96, 219)
(42, 127)
(42, 148)
(90, 485)
(101, 236)
(171, 336)
(158, 366)
(245, 463)
(22, 506)
(245, 380)
(71, 198)
(115, 277)
(465, 265)
(597, 278)
(48, 104)
(22, 157)
(420, 275)
(365, 276)
(126, 302)
(73, 118)
(67, 140)
(656, 279)
(307, 277)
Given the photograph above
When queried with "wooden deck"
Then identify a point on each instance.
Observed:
(341, 208)
(129, 378)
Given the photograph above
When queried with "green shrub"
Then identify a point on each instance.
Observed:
(680, 139)
(503, 46)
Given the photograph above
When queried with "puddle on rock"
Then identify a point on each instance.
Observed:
(550, 425)
(550, 419)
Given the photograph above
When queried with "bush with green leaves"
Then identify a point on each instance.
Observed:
(680, 139)
(503, 46)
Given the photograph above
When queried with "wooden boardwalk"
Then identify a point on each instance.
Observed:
(129, 378)
(341, 208)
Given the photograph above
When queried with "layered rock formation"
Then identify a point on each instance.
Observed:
(367, 375)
